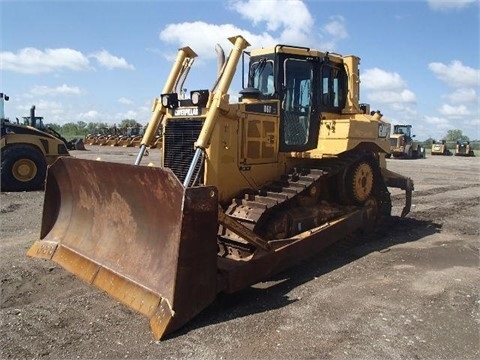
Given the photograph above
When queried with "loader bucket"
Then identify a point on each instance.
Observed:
(134, 232)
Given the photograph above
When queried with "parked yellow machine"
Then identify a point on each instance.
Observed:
(26, 151)
(440, 148)
(246, 188)
(463, 148)
(403, 145)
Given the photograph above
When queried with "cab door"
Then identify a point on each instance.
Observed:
(299, 117)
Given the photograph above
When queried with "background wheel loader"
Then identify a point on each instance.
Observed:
(37, 123)
(402, 144)
(25, 154)
(245, 188)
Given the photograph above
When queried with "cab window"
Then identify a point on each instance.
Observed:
(263, 77)
(297, 101)
(334, 87)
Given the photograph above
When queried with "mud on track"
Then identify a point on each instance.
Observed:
(411, 290)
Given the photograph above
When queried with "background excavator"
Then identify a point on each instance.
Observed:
(245, 189)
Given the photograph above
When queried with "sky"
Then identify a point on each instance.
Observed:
(105, 60)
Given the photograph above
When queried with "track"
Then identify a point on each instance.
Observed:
(308, 195)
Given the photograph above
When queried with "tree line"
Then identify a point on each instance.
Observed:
(81, 129)
(451, 138)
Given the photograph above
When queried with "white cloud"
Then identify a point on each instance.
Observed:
(277, 14)
(284, 21)
(381, 80)
(446, 5)
(34, 61)
(431, 126)
(289, 20)
(110, 61)
(403, 110)
(125, 101)
(456, 74)
(131, 114)
(392, 97)
(465, 80)
(332, 32)
(42, 106)
(454, 111)
(204, 36)
(438, 122)
(41, 90)
(387, 88)
(51, 111)
(463, 96)
(89, 115)
(336, 27)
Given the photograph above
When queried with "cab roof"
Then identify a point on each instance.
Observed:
(296, 50)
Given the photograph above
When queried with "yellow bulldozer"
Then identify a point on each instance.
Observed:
(245, 189)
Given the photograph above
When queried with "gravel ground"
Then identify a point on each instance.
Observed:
(409, 291)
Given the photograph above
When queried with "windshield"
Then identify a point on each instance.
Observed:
(402, 130)
(261, 76)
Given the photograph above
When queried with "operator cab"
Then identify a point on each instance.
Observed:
(306, 82)
(403, 129)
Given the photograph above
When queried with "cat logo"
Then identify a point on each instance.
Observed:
(383, 130)
(188, 111)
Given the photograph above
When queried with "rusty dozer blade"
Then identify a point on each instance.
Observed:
(134, 232)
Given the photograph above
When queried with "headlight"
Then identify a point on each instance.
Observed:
(169, 100)
(199, 97)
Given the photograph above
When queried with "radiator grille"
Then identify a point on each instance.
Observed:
(180, 136)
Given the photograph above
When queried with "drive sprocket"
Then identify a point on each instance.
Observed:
(360, 181)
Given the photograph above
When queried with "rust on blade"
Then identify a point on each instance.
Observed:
(134, 232)
(161, 319)
(127, 292)
(124, 218)
(84, 268)
(42, 249)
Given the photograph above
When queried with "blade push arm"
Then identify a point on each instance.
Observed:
(204, 138)
(180, 67)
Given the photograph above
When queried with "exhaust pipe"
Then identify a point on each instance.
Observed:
(33, 120)
(220, 58)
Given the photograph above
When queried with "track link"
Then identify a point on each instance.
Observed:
(272, 198)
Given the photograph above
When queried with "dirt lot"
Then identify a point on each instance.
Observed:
(409, 292)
